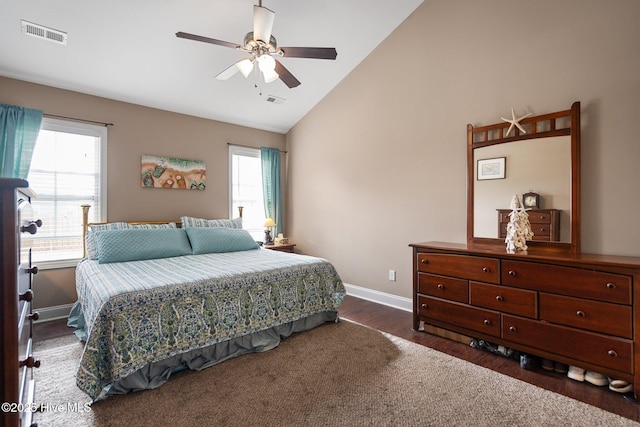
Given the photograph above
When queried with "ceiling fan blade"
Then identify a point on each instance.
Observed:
(310, 52)
(228, 73)
(286, 76)
(262, 23)
(206, 39)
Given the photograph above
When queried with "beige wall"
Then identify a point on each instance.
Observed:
(140, 130)
(381, 161)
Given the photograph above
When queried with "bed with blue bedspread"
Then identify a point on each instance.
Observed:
(157, 299)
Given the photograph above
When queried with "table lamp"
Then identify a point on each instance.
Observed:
(267, 233)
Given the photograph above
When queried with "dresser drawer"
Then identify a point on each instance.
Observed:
(461, 315)
(541, 231)
(611, 319)
(501, 298)
(539, 217)
(463, 266)
(567, 281)
(444, 287)
(612, 353)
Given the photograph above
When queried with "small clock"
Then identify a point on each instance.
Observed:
(531, 200)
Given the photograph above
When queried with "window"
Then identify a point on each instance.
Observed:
(246, 189)
(67, 171)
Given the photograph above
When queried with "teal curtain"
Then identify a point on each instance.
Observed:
(271, 186)
(19, 128)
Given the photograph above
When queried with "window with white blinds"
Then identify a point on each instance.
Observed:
(67, 170)
(245, 190)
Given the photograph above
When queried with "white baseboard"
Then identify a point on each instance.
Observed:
(383, 298)
(53, 313)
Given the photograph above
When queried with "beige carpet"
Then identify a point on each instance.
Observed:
(339, 374)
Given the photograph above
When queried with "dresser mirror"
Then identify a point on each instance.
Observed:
(545, 160)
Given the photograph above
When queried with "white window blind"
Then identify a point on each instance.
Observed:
(66, 172)
(246, 189)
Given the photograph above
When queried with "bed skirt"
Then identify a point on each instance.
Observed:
(155, 374)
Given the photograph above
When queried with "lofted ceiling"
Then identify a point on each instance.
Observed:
(127, 50)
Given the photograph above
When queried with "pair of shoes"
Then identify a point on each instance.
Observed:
(596, 378)
(560, 368)
(620, 386)
(576, 373)
(547, 364)
(528, 362)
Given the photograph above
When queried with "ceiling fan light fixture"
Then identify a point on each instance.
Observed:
(270, 75)
(245, 66)
(266, 63)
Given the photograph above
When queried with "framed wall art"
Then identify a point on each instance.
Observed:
(491, 168)
(171, 172)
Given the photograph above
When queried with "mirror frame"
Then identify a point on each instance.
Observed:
(566, 122)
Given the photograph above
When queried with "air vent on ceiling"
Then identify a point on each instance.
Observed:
(44, 33)
(274, 99)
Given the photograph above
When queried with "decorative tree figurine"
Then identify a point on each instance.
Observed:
(518, 228)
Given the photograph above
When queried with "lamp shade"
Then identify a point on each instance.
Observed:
(245, 66)
(269, 222)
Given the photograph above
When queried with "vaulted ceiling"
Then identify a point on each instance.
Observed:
(128, 51)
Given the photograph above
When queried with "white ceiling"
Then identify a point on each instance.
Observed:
(127, 50)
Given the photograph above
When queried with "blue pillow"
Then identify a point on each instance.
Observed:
(137, 244)
(205, 240)
(189, 221)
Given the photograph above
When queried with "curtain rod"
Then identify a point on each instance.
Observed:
(248, 146)
(53, 116)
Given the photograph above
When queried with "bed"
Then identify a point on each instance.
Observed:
(155, 299)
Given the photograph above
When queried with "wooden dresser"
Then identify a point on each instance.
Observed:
(545, 223)
(16, 380)
(582, 310)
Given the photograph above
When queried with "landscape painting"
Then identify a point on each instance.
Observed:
(170, 172)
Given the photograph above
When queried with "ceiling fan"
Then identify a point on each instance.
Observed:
(262, 46)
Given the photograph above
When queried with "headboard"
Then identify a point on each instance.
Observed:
(86, 224)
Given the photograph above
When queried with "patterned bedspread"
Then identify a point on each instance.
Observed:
(141, 312)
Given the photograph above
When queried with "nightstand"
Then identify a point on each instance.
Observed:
(287, 247)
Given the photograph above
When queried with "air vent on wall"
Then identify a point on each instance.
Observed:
(44, 33)
(274, 99)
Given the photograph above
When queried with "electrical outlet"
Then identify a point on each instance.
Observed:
(392, 275)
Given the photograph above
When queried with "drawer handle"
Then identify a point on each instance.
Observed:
(580, 313)
(33, 316)
(611, 285)
(487, 322)
(424, 261)
(612, 353)
(27, 296)
(32, 270)
(499, 298)
(423, 305)
(32, 228)
(513, 329)
(440, 286)
(485, 269)
(30, 362)
(512, 273)
(542, 229)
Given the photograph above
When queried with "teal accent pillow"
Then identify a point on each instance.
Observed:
(137, 244)
(189, 221)
(92, 252)
(205, 240)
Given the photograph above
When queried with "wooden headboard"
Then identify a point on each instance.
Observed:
(86, 224)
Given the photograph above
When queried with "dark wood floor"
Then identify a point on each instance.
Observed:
(399, 323)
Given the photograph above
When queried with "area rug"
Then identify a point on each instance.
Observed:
(339, 374)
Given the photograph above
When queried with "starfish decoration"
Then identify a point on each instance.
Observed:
(515, 122)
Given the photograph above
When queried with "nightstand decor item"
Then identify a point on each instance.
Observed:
(267, 232)
(518, 228)
(531, 200)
